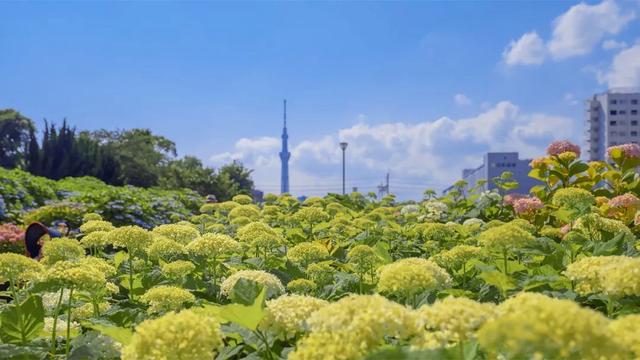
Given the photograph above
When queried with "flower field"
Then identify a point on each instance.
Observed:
(475, 274)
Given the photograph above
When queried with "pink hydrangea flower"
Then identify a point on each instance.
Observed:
(10, 233)
(538, 163)
(627, 201)
(527, 205)
(631, 151)
(510, 199)
(558, 147)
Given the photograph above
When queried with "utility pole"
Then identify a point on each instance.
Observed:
(343, 146)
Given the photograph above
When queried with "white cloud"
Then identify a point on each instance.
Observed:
(570, 99)
(528, 50)
(583, 26)
(624, 70)
(613, 45)
(418, 155)
(576, 32)
(462, 99)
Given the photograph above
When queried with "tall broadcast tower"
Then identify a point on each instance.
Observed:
(285, 155)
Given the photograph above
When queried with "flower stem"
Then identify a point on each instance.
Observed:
(56, 312)
(68, 342)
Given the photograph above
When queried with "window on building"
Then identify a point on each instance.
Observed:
(634, 122)
(634, 101)
(613, 102)
(613, 123)
(613, 112)
(622, 112)
(634, 133)
(634, 112)
(613, 133)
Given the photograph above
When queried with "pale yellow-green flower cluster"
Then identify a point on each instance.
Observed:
(450, 321)
(457, 256)
(286, 315)
(573, 198)
(364, 259)
(242, 199)
(301, 286)
(311, 214)
(507, 237)
(96, 225)
(87, 310)
(615, 276)
(593, 225)
(81, 276)
(166, 249)
(185, 335)
(353, 326)
(133, 238)
(626, 331)
(307, 252)
(411, 276)
(270, 281)
(213, 246)
(91, 216)
(95, 240)
(244, 211)
(165, 298)
(178, 269)
(17, 268)
(321, 272)
(183, 234)
(436, 232)
(261, 235)
(61, 249)
(533, 325)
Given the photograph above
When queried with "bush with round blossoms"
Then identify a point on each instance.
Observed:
(436, 232)
(614, 276)
(165, 298)
(311, 215)
(363, 259)
(457, 257)
(354, 326)
(285, 316)
(183, 234)
(306, 253)
(17, 268)
(240, 221)
(178, 270)
(259, 235)
(593, 227)
(188, 334)
(90, 217)
(165, 249)
(248, 211)
(406, 278)
(96, 225)
(573, 198)
(133, 238)
(524, 323)
(505, 238)
(302, 286)
(74, 275)
(270, 281)
(242, 199)
(450, 321)
(61, 249)
(95, 241)
(214, 246)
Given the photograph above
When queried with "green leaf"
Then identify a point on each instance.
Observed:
(577, 167)
(137, 283)
(499, 280)
(245, 291)
(23, 322)
(246, 316)
(119, 334)
(119, 258)
(382, 250)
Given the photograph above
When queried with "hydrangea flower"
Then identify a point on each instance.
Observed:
(271, 282)
(181, 233)
(213, 245)
(625, 330)
(526, 206)
(457, 256)
(561, 146)
(17, 268)
(307, 252)
(165, 249)
(616, 276)
(507, 237)
(61, 249)
(95, 240)
(165, 298)
(573, 198)
(301, 286)
(178, 269)
(451, 321)
(133, 238)
(321, 272)
(411, 276)
(524, 322)
(631, 151)
(96, 225)
(286, 315)
(185, 335)
(248, 211)
(70, 275)
(364, 259)
(261, 235)
(242, 199)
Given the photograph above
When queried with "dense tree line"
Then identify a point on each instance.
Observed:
(123, 157)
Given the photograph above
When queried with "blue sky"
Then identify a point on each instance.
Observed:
(418, 89)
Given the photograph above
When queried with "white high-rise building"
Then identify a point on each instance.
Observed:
(612, 119)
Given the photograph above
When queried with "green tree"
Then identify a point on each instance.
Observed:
(189, 173)
(14, 138)
(233, 179)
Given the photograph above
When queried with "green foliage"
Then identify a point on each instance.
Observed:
(22, 322)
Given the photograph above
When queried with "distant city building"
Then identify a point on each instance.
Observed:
(284, 155)
(494, 164)
(612, 119)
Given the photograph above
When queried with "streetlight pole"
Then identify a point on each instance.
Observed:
(343, 146)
